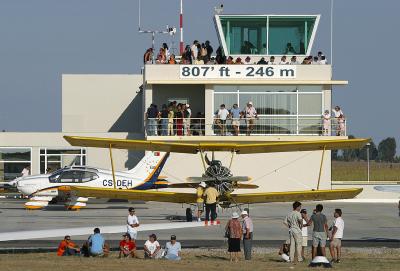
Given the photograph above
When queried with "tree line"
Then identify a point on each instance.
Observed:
(384, 152)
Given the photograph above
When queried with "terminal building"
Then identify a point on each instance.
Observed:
(290, 101)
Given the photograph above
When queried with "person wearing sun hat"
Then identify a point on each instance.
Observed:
(200, 201)
(250, 113)
(234, 233)
(248, 228)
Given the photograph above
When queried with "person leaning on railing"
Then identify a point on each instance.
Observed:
(250, 114)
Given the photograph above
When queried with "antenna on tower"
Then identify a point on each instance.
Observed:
(153, 33)
(219, 9)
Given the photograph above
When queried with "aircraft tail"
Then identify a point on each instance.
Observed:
(149, 169)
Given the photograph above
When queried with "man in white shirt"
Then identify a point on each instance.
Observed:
(222, 115)
(173, 249)
(248, 229)
(195, 51)
(132, 223)
(304, 232)
(283, 61)
(336, 236)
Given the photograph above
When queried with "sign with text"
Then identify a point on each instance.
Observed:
(237, 71)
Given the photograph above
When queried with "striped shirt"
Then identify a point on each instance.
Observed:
(247, 224)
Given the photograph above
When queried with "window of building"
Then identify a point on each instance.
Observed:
(54, 159)
(267, 35)
(13, 161)
(282, 109)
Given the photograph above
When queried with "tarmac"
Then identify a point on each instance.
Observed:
(366, 224)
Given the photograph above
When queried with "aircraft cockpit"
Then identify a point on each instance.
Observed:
(72, 175)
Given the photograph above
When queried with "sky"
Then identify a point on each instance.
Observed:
(42, 39)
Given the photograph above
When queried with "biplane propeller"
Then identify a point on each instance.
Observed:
(219, 176)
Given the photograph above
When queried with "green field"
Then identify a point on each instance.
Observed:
(197, 259)
(357, 171)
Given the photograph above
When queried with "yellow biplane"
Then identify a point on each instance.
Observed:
(215, 172)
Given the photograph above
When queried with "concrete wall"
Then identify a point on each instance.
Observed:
(102, 103)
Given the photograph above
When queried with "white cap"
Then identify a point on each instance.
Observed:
(250, 102)
(187, 105)
(244, 213)
(235, 215)
(202, 184)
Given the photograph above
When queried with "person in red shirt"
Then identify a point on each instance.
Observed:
(127, 247)
(67, 247)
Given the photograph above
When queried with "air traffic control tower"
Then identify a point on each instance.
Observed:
(290, 99)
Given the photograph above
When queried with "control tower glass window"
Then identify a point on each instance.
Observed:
(289, 36)
(267, 34)
(245, 36)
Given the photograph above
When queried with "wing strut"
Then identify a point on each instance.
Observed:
(320, 167)
(202, 160)
(112, 167)
(232, 154)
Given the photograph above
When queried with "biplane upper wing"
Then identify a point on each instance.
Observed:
(195, 147)
(289, 196)
(176, 197)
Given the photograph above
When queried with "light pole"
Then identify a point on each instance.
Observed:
(368, 144)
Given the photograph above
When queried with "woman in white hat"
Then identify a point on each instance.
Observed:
(234, 233)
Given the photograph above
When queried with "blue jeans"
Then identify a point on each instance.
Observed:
(172, 257)
(164, 127)
(151, 127)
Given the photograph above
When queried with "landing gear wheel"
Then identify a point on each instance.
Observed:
(189, 215)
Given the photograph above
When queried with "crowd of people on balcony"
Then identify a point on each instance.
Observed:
(174, 119)
(201, 53)
(177, 119)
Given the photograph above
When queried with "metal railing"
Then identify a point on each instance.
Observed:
(265, 125)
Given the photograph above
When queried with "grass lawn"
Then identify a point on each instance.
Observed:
(198, 259)
(357, 171)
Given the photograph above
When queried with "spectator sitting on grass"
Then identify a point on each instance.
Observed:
(97, 245)
(152, 249)
(67, 247)
(127, 247)
(173, 249)
(284, 251)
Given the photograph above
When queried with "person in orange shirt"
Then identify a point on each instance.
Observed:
(67, 247)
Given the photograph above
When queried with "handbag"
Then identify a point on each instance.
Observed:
(227, 233)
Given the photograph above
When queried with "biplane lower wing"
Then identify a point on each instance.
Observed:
(145, 195)
(289, 196)
(177, 197)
